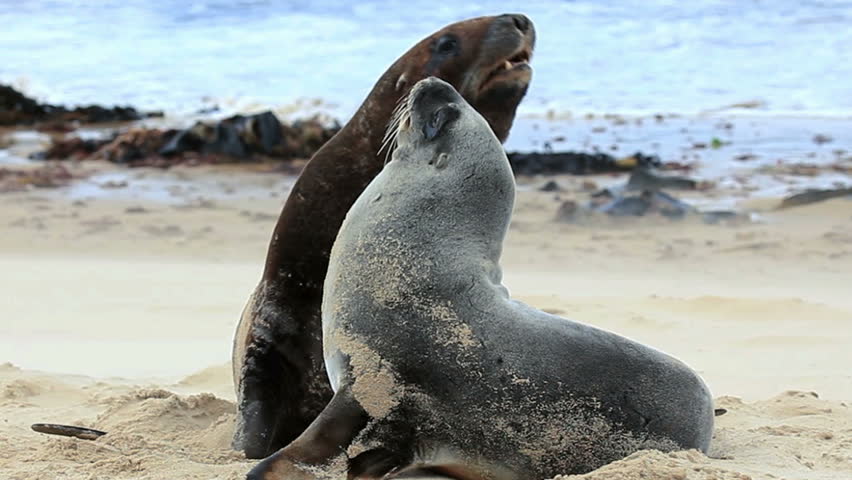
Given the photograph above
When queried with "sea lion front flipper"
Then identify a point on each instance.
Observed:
(279, 376)
(324, 440)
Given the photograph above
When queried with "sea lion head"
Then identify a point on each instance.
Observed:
(449, 161)
(485, 59)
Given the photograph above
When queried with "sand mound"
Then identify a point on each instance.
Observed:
(151, 432)
(651, 464)
(201, 421)
(794, 435)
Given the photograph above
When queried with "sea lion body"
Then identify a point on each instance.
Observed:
(436, 368)
(279, 374)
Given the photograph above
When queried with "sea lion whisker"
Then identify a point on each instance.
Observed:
(395, 116)
(390, 141)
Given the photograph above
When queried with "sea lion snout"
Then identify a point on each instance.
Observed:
(520, 21)
(514, 28)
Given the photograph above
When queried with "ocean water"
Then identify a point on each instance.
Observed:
(619, 56)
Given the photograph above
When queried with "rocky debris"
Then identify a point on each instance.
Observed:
(550, 186)
(241, 138)
(820, 139)
(568, 211)
(46, 176)
(813, 196)
(135, 147)
(73, 148)
(645, 179)
(621, 203)
(18, 109)
(643, 196)
(576, 163)
(589, 186)
(639, 203)
(805, 169)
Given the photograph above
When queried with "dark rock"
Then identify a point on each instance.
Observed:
(550, 186)
(624, 202)
(189, 140)
(644, 179)
(15, 107)
(677, 166)
(567, 211)
(244, 136)
(18, 109)
(820, 139)
(238, 138)
(74, 148)
(644, 203)
(628, 206)
(137, 147)
(576, 163)
(208, 110)
(813, 196)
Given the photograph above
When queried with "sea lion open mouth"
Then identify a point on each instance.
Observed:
(517, 63)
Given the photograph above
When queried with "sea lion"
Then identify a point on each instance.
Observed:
(279, 374)
(435, 369)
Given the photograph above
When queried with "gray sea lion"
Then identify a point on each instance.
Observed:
(279, 374)
(435, 369)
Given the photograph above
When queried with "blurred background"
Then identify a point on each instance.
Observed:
(623, 56)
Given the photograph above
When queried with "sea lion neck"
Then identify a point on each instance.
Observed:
(380, 103)
(326, 188)
(408, 209)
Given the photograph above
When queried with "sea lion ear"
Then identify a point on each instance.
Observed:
(439, 120)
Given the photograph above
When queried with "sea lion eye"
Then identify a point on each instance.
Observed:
(447, 45)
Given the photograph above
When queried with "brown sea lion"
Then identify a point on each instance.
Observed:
(278, 364)
(436, 370)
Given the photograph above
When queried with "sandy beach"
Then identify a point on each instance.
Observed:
(119, 305)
